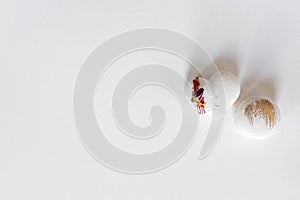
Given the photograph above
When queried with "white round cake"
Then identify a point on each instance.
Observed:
(212, 97)
(227, 82)
(257, 117)
(206, 94)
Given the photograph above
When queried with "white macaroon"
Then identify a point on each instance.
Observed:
(257, 117)
(220, 92)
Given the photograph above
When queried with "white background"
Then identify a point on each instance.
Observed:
(42, 47)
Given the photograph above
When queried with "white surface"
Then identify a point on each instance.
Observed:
(44, 43)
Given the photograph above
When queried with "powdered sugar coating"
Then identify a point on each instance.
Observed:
(257, 124)
(220, 92)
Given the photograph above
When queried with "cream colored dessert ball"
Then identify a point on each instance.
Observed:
(257, 117)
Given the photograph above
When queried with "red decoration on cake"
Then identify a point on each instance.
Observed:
(197, 96)
(196, 84)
